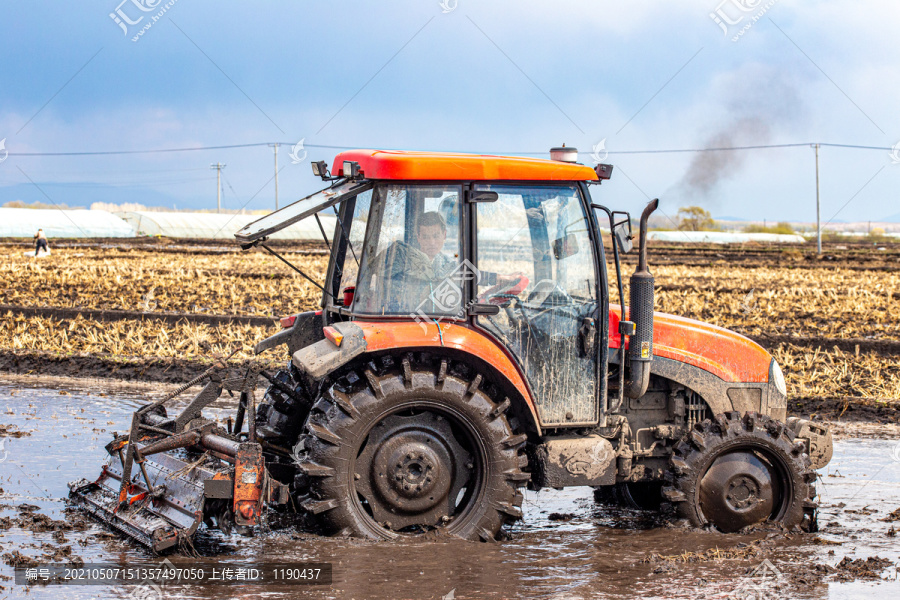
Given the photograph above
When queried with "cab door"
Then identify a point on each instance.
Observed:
(534, 261)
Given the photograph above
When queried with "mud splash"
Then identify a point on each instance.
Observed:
(566, 547)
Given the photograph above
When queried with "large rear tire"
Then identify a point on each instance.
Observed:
(403, 448)
(732, 472)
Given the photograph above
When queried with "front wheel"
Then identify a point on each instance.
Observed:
(732, 472)
(406, 448)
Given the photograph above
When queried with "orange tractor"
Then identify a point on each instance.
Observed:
(466, 347)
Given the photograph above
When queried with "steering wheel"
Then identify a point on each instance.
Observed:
(502, 293)
(547, 295)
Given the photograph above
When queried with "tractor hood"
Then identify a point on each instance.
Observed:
(724, 353)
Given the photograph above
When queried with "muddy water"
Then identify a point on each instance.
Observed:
(592, 552)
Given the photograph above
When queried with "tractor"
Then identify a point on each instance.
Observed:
(467, 347)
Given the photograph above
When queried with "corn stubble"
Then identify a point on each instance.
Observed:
(127, 337)
(818, 304)
(230, 284)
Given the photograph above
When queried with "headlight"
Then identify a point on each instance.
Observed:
(778, 378)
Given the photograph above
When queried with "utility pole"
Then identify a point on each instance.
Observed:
(218, 167)
(818, 216)
(275, 146)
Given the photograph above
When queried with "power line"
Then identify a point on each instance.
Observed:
(228, 183)
(110, 184)
(124, 152)
(115, 173)
(275, 148)
(543, 152)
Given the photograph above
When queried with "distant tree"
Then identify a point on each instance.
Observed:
(695, 218)
(38, 205)
(781, 227)
(878, 236)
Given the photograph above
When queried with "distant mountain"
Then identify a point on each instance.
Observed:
(891, 219)
(731, 219)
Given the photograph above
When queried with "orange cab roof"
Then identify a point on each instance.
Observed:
(393, 164)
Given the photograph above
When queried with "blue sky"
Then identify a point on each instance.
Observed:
(505, 76)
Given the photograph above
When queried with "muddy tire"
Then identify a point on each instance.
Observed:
(403, 448)
(282, 410)
(731, 472)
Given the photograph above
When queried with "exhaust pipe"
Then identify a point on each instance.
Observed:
(640, 350)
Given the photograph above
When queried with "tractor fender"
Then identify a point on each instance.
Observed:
(320, 359)
(324, 357)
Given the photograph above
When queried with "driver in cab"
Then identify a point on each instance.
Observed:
(422, 277)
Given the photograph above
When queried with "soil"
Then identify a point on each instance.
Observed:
(852, 569)
(29, 520)
(859, 256)
(852, 410)
(118, 315)
(12, 431)
(149, 369)
(891, 518)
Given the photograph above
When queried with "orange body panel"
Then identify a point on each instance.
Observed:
(726, 354)
(386, 164)
(390, 335)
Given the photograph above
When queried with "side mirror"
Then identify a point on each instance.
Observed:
(565, 246)
(622, 234)
(603, 172)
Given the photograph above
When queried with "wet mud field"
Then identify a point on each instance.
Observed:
(567, 546)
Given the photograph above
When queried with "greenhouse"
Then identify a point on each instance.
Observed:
(24, 223)
(216, 225)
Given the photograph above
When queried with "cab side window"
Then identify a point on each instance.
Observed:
(411, 253)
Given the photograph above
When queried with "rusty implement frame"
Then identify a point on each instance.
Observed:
(156, 483)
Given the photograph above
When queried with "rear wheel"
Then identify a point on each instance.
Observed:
(732, 472)
(403, 448)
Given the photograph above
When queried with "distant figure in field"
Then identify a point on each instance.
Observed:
(40, 242)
